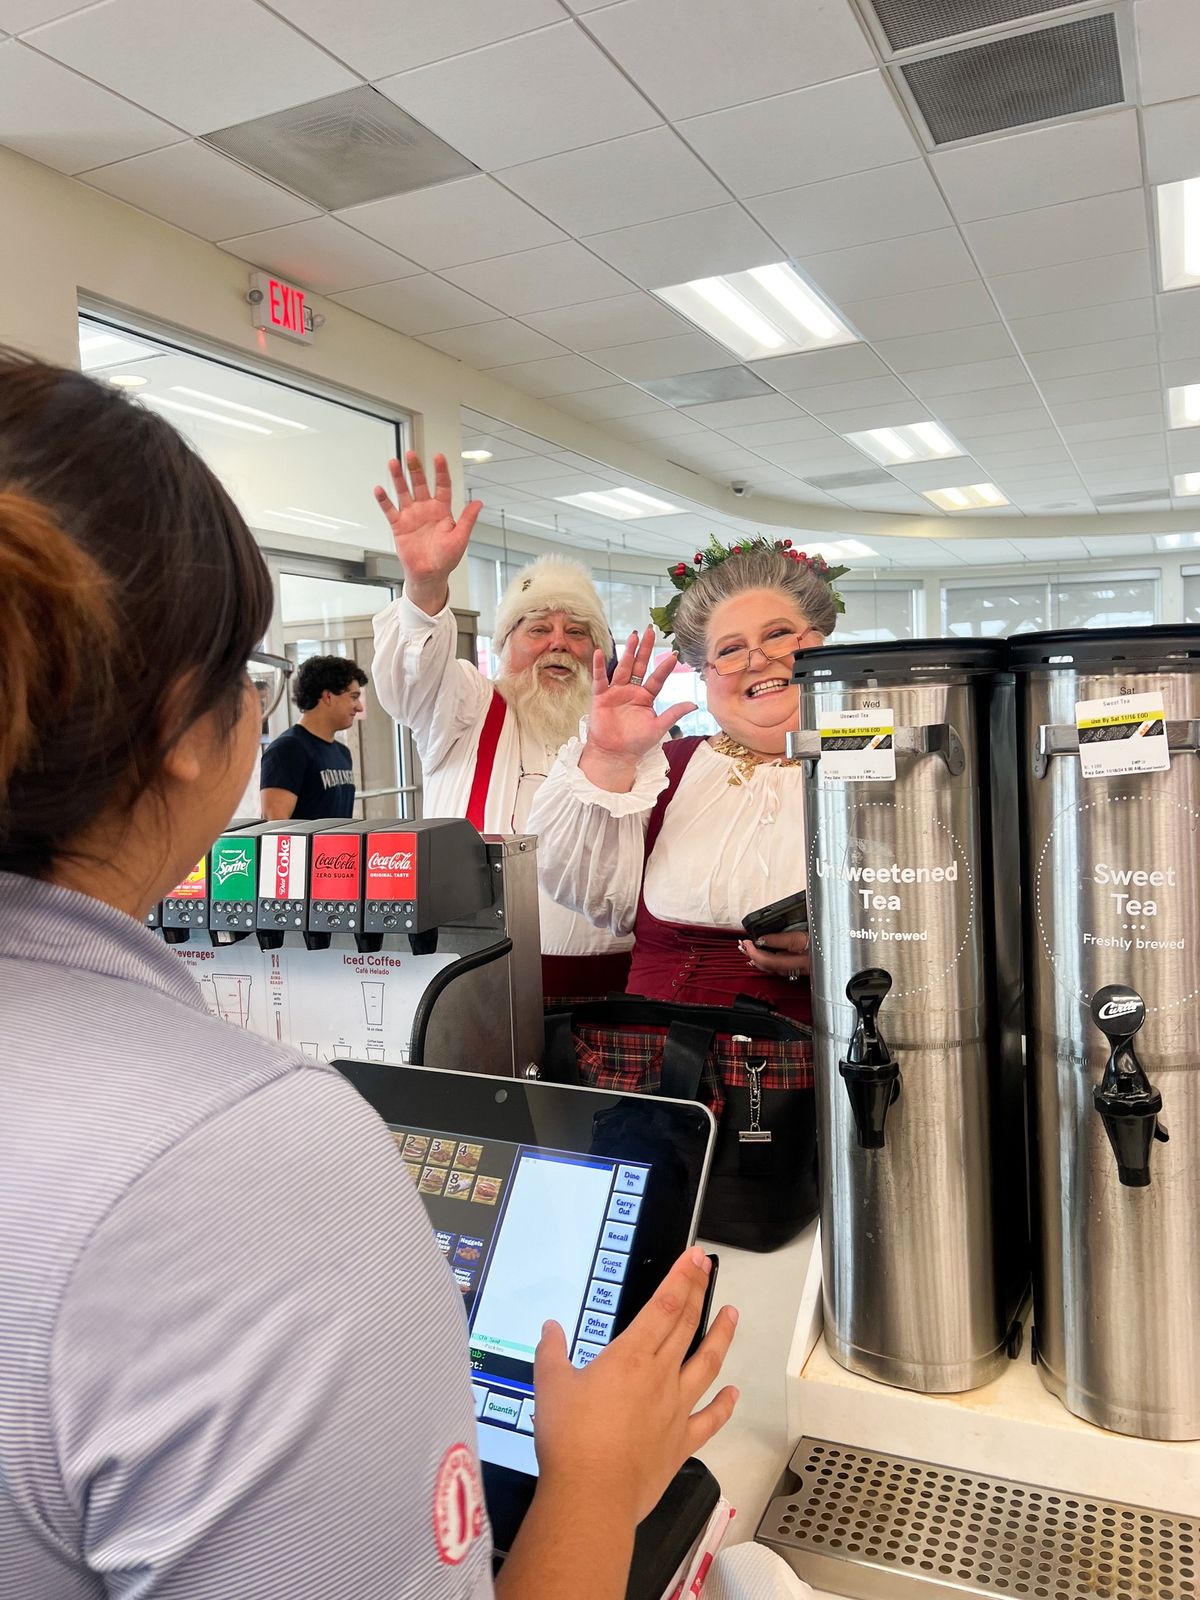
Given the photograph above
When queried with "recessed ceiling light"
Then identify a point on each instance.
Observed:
(767, 311)
(232, 405)
(303, 511)
(102, 347)
(1183, 404)
(127, 380)
(1179, 233)
(198, 411)
(1176, 541)
(313, 519)
(914, 441)
(1187, 483)
(626, 505)
(851, 549)
(966, 497)
(477, 456)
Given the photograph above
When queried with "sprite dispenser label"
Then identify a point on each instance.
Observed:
(233, 869)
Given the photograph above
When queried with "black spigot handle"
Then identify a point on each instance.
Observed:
(870, 1072)
(1128, 1103)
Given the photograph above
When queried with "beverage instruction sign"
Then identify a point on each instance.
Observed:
(1121, 735)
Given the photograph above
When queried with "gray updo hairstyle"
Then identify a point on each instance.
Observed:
(759, 569)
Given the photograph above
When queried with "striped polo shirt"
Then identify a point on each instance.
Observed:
(232, 1361)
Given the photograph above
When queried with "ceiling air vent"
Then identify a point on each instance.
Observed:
(850, 480)
(909, 23)
(343, 150)
(1018, 79)
(703, 388)
(1135, 497)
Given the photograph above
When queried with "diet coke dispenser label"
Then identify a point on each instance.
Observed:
(391, 883)
(335, 890)
(282, 888)
(187, 904)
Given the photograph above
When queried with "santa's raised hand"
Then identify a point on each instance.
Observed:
(430, 541)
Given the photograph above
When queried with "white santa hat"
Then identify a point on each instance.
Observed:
(553, 583)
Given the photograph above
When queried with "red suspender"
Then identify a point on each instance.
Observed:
(485, 759)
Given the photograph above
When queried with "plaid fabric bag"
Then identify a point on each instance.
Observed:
(762, 1187)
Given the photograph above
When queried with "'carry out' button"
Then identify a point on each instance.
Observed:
(624, 1207)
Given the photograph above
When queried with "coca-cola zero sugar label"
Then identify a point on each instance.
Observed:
(391, 866)
(336, 862)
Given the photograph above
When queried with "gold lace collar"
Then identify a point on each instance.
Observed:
(744, 760)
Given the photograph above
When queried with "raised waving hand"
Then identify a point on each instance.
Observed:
(623, 724)
(430, 541)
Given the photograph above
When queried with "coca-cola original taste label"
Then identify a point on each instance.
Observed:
(391, 866)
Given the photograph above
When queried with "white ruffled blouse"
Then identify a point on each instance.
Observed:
(724, 849)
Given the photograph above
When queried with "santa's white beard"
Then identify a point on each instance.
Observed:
(550, 709)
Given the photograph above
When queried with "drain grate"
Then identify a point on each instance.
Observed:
(861, 1523)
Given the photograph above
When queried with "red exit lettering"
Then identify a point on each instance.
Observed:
(286, 307)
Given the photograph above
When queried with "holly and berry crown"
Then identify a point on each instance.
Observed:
(683, 574)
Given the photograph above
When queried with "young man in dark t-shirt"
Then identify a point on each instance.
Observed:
(306, 773)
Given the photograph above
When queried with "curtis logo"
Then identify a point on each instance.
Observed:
(1118, 1008)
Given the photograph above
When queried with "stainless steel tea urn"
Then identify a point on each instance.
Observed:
(911, 819)
(1110, 729)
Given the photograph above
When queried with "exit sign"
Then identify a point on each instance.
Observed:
(280, 307)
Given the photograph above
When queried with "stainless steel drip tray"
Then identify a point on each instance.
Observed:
(875, 1526)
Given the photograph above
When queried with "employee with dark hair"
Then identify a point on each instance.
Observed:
(232, 1359)
(306, 773)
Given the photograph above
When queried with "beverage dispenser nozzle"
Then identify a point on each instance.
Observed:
(1127, 1101)
(870, 1072)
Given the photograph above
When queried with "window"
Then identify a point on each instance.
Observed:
(991, 609)
(877, 611)
(1191, 594)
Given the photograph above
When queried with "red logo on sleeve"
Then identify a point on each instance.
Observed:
(457, 1504)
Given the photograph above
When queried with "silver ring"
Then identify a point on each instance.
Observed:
(794, 977)
(635, 680)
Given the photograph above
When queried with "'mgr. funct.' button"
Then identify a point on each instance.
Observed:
(596, 1327)
(624, 1207)
(603, 1297)
(502, 1408)
(611, 1267)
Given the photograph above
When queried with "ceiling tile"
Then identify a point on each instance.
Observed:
(322, 255)
(985, 424)
(1168, 36)
(370, 37)
(623, 319)
(641, 178)
(494, 344)
(899, 316)
(559, 375)
(1103, 450)
(793, 429)
(1096, 385)
(1119, 428)
(449, 224)
(1069, 160)
(52, 115)
(992, 445)
(540, 280)
(1107, 408)
(1004, 461)
(568, 483)
(1077, 231)
(1175, 373)
(724, 414)
(869, 271)
(986, 402)
(984, 552)
(698, 245)
(841, 365)
(525, 469)
(418, 305)
(861, 209)
(18, 15)
(665, 358)
(861, 392)
(1079, 283)
(688, 59)
(1172, 136)
(200, 66)
(198, 189)
(1108, 356)
(1183, 449)
(937, 474)
(559, 92)
(1091, 324)
(897, 413)
(1179, 311)
(919, 353)
(850, 125)
(896, 498)
(662, 425)
(935, 382)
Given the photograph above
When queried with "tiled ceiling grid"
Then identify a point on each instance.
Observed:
(1003, 288)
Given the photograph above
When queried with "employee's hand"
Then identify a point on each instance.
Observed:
(623, 723)
(620, 1429)
(785, 954)
(430, 541)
